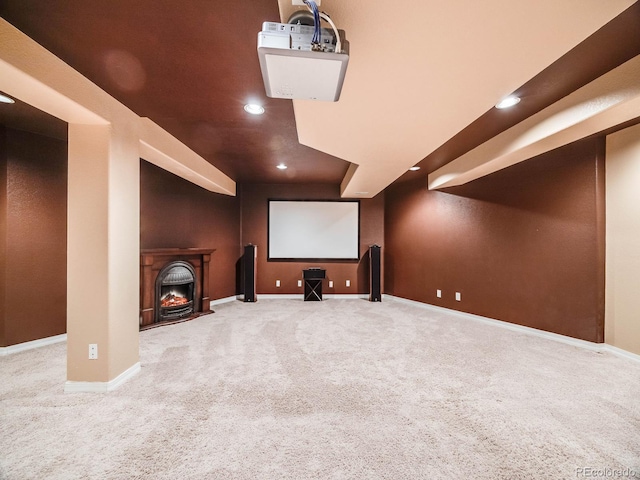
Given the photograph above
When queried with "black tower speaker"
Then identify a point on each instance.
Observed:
(375, 291)
(249, 272)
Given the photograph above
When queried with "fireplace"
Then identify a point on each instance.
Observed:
(174, 285)
(175, 291)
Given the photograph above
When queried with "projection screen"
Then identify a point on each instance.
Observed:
(314, 230)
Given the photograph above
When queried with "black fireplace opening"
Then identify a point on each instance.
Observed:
(175, 291)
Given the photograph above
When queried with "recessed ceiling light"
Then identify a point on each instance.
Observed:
(361, 193)
(282, 166)
(5, 99)
(507, 102)
(414, 169)
(254, 109)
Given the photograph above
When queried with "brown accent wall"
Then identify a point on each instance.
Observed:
(34, 237)
(523, 245)
(254, 230)
(177, 214)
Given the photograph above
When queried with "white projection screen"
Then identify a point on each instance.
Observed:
(314, 230)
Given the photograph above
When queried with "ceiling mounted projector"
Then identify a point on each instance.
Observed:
(302, 61)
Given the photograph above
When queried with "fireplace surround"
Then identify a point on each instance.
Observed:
(174, 285)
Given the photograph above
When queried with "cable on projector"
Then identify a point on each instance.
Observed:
(313, 8)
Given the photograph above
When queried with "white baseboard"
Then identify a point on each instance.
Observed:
(576, 342)
(347, 296)
(42, 342)
(220, 301)
(280, 296)
(101, 387)
(621, 353)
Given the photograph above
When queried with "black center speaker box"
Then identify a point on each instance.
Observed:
(314, 273)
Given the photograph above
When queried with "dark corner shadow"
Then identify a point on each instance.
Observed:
(363, 272)
(239, 289)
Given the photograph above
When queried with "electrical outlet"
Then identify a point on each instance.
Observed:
(299, 283)
(457, 296)
(330, 283)
(439, 293)
(277, 283)
(348, 282)
(93, 351)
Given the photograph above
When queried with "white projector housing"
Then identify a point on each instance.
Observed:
(290, 69)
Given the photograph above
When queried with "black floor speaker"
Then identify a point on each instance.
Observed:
(249, 259)
(375, 290)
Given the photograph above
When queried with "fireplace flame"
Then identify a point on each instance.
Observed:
(172, 300)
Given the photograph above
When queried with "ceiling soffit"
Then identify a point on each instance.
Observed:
(437, 68)
(611, 100)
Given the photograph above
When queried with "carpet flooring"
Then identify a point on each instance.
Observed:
(340, 389)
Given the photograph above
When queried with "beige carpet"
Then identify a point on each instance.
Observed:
(331, 390)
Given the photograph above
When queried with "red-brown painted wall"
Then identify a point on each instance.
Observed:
(34, 234)
(523, 245)
(254, 230)
(177, 214)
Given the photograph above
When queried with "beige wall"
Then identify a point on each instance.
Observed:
(622, 314)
